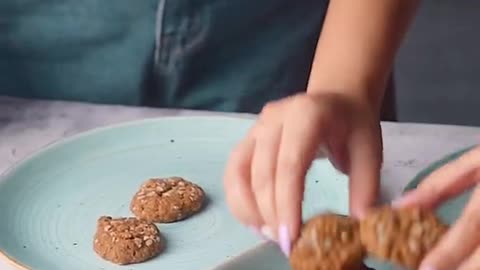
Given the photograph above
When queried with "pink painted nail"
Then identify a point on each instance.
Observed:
(427, 268)
(284, 237)
(404, 200)
(256, 231)
(267, 233)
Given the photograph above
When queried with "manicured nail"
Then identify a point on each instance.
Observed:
(360, 214)
(284, 238)
(427, 268)
(404, 200)
(256, 231)
(267, 233)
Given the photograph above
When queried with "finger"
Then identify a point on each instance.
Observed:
(445, 183)
(299, 144)
(263, 169)
(238, 190)
(365, 150)
(365, 267)
(473, 262)
(459, 242)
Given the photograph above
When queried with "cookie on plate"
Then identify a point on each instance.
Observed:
(401, 236)
(165, 200)
(328, 242)
(126, 240)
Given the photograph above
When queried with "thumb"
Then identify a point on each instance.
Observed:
(365, 161)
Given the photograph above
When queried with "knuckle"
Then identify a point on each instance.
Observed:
(305, 108)
(269, 109)
(301, 102)
(289, 164)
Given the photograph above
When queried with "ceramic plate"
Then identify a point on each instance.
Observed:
(49, 203)
(267, 257)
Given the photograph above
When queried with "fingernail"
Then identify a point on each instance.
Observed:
(256, 231)
(404, 200)
(427, 268)
(360, 214)
(397, 203)
(284, 238)
(267, 233)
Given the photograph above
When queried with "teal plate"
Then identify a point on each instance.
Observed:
(50, 202)
(267, 257)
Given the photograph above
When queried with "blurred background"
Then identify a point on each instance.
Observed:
(437, 73)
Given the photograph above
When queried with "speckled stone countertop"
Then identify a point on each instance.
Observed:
(28, 125)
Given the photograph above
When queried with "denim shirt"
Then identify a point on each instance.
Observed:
(225, 55)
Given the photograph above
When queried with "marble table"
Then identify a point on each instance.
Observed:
(28, 125)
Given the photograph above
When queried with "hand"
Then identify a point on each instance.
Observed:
(264, 178)
(460, 247)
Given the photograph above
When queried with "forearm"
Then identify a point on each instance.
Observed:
(357, 47)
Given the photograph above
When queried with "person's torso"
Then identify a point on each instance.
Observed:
(202, 54)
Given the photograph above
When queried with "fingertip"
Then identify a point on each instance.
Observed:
(429, 263)
(361, 203)
(268, 233)
(408, 199)
(358, 212)
(427, 267)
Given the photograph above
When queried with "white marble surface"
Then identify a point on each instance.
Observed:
(26, 126)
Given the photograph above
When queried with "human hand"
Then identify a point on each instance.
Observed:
(264, 177)
(460, 247)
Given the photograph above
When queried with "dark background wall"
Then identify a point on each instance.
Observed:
(438, 67)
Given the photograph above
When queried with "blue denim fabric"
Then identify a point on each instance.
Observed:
(226, 55)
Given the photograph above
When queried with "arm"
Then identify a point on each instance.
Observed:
(357, 47)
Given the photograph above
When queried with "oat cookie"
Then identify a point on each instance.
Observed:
(166, 200)
(126, 240)
(401, 236)
(328, 242)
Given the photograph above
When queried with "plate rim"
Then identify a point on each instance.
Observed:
(424, 172)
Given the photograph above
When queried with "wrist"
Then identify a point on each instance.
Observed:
(362, 95)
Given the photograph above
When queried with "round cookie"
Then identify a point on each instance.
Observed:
(126, 240)
(401, 236)
(328, 242)
(165, 200)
